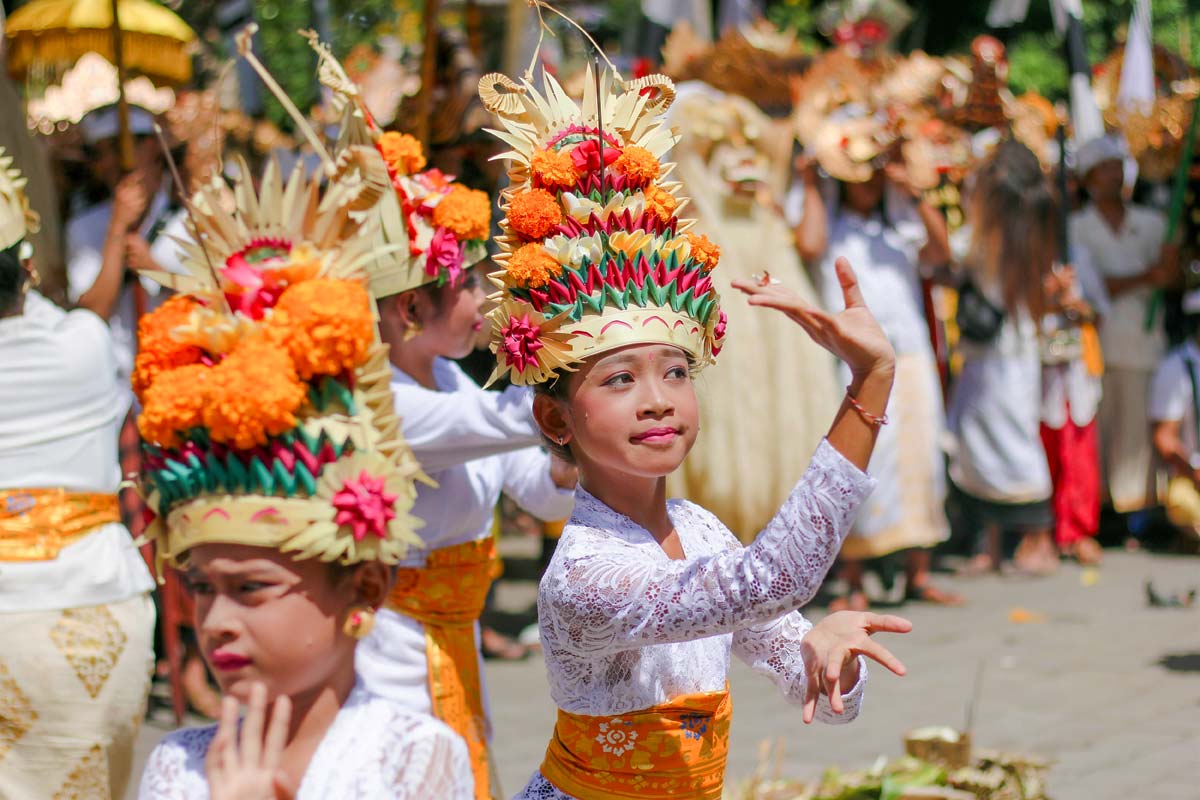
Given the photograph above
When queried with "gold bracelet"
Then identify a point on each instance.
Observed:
(867, 416)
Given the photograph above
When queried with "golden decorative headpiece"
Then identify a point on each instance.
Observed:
(441, 226)
(594, 255)
(266, 410)
(17, 219)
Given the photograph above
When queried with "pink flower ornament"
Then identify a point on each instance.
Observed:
(445, 253)
(719, 332)
(365, 506)
(520, 341)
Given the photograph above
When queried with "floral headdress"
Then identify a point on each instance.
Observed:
(266, 411)
(17, 219)
(443, 225)
(594, 255)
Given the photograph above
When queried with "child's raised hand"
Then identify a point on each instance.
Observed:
(245, 766)
(852, 335)
(831, 650)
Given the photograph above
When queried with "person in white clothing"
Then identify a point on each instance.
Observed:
(1174, 418)
(76, 617)
(1127, 245)
(882, 225)
(475, 444)
(645, 598)
(283, 489)
(135, 229)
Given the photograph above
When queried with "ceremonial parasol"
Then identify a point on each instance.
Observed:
(133, 34)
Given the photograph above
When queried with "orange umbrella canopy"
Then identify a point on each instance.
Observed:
(154, 40)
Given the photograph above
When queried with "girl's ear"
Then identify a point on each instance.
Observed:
(372, 580)
(552, 417)
(409, 309)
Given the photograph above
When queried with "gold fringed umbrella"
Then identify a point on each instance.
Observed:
(154, 40)
(133, 34)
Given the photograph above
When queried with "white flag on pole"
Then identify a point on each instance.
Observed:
(1136, 92)
(1006, 13)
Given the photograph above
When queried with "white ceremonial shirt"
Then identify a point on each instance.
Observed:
(372, 751)
(58, 429)
(1171, 395)
(885, 260)
(86, 234)
(1119, 254)
(624, 627)
(475, 444)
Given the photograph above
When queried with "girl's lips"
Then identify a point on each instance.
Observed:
(227, 662)
(657, 436)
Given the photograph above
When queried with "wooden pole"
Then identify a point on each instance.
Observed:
(124, 135)
(428, 74)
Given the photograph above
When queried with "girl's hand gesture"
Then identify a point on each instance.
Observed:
(852, 335)
(831, 650)
(246, 766)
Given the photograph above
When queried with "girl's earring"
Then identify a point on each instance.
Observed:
(359, 622)
(562, 440)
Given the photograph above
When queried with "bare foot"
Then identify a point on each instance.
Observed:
(980, 564)
(928, 593)
(1087, 552)
(499, 647)
(855, 601)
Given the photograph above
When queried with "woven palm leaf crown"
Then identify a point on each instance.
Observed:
(431, 227)
(266, 410)
(593, 254)
(17, 219)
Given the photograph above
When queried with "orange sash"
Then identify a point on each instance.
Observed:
(677, 749)
(35, 524)
(447, 595)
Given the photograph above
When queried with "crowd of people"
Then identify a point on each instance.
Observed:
(281, 361)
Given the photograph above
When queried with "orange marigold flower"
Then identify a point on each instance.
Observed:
(158, 349)
(638, 165)
(402, 152)
(704, 251)
(254, 393)
(534, 214)
(174, 404)
(467, 213)
(532, 267)
(661, 202)
(554, 170)
(325, 325)
(302, 265)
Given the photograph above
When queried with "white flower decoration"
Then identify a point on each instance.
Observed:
(614, 740)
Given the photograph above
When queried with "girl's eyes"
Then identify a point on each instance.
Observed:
(619, 378)
(197, 586)
(252, 586)
(680, 373)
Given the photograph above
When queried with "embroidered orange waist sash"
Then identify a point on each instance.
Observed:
(448, 595)
(35, 524)
(677, 749)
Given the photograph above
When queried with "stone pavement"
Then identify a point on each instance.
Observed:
(1093, 678)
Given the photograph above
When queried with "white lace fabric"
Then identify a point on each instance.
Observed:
(373, 750)
(624, 627)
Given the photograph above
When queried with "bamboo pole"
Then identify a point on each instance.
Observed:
(125, 134)
(428, 74)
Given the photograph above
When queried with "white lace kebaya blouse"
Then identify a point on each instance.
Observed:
(374, 750)
(624, 627)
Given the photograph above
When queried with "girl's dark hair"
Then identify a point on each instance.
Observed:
(880, 207)
(11, 276)
(1014, 227)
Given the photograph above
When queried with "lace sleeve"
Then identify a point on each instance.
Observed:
(773, 649)
(433, 762)
(175, 768)
(608, 600)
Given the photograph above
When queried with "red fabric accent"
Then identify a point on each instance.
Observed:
(1073, 453)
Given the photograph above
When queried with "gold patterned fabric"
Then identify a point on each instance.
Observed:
(35, 524)
(73, 688)
(677, 749)
(447, 595)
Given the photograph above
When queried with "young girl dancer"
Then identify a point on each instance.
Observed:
(284, 489)
(424, 652)
(607, 307)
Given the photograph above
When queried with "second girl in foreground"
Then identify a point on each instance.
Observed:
(607, 309)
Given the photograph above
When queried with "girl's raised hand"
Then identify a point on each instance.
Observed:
(831, 649)
(245, 766)
(852, 335)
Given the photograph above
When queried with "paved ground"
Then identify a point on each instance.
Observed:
(1095, 679)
